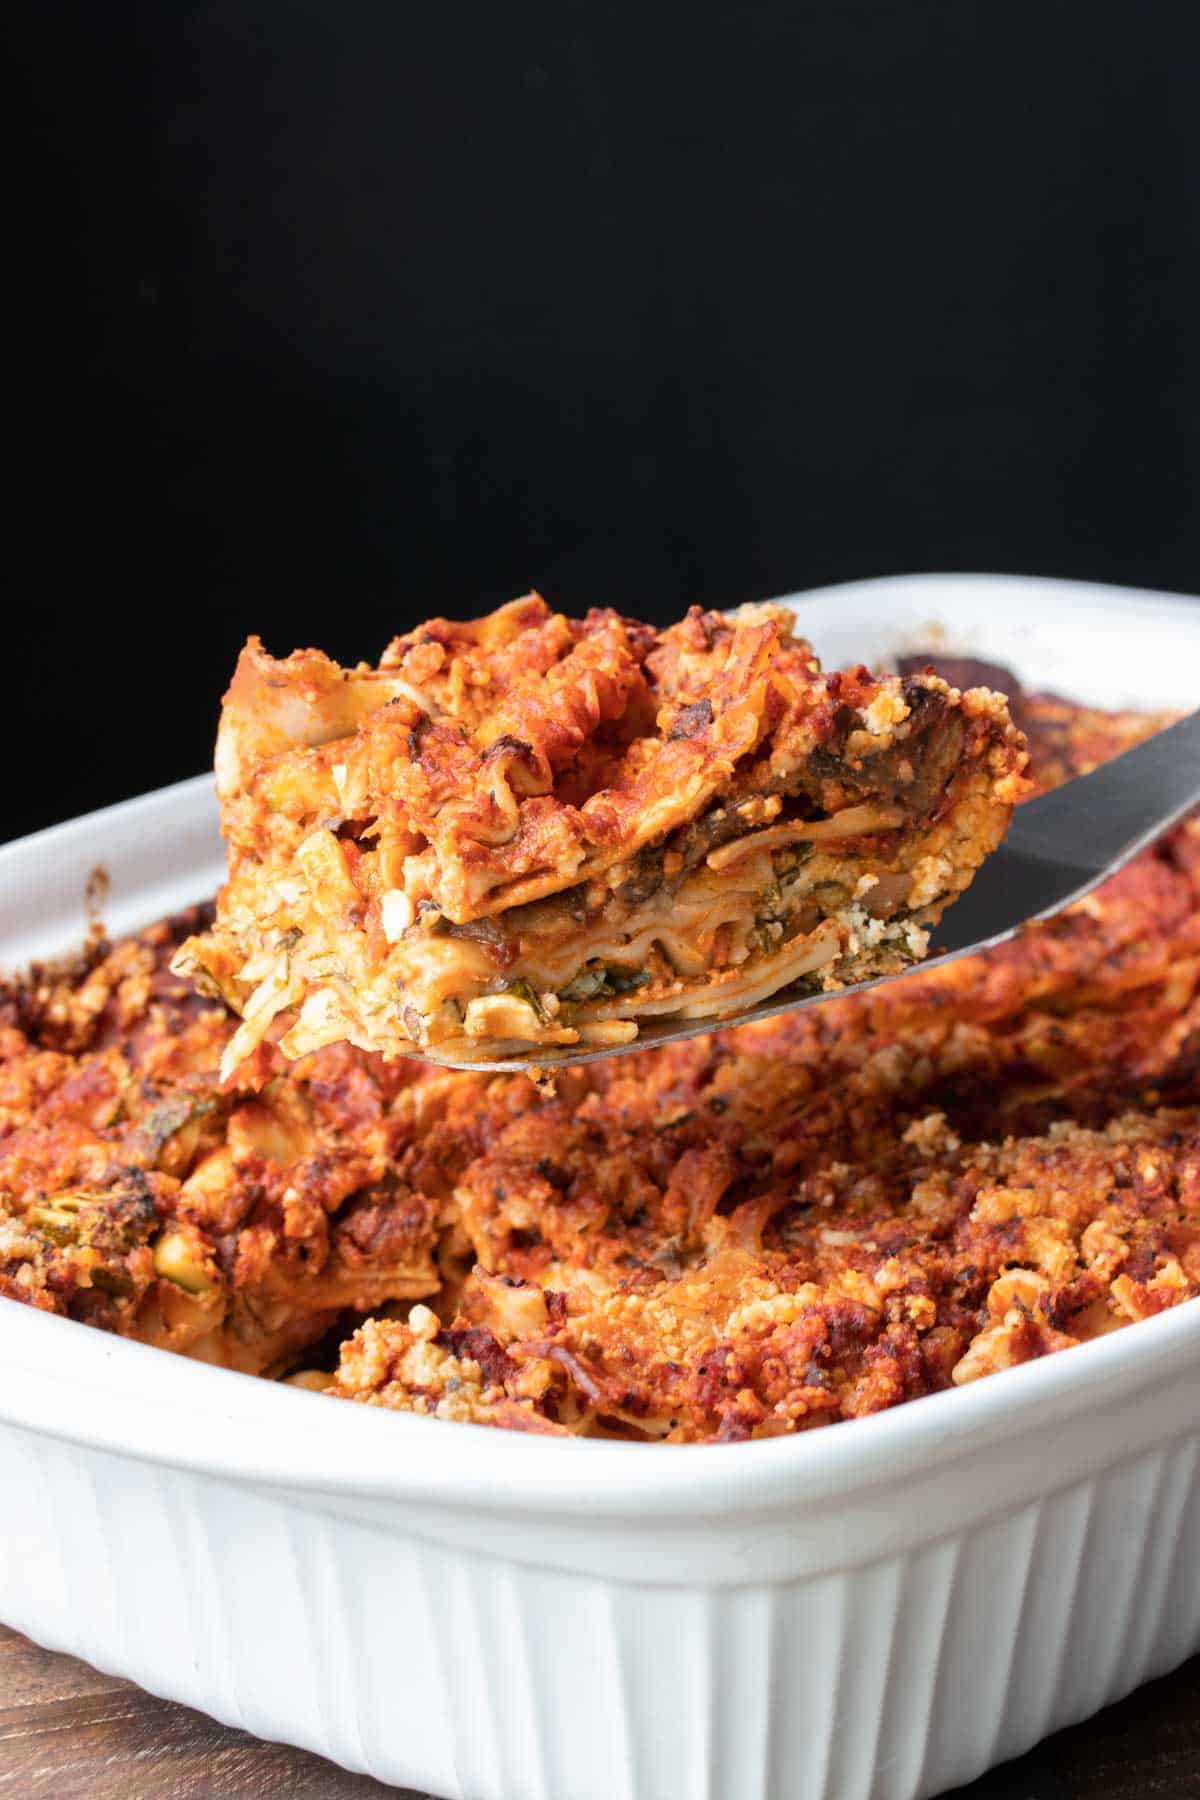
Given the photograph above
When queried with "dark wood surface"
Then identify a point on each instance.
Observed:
(67, 1732)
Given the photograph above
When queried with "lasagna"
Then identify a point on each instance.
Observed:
(527, 832)
(757, 1232)
(234, 1224)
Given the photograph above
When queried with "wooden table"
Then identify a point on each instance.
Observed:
(67, 1732)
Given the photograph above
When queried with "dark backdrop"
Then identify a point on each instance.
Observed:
(336, 313)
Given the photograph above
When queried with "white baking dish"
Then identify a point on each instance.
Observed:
(879, 1609)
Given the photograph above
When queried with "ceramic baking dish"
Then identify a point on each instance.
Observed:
(882, 1609)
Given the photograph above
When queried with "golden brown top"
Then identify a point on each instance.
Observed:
(136, 1193)
(926, 1262)
(752, 1232)
(490, 762)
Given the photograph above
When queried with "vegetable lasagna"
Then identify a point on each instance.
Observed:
(762, 1231)
(527, 832)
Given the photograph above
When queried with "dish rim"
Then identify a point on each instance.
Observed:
(215, 1421)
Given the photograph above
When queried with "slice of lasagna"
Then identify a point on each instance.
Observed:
(527, 831)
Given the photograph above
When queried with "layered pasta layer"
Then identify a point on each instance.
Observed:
(528, 831)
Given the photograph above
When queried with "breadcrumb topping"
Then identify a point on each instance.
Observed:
(758, 1232)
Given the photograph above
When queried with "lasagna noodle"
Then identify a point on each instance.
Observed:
(524, 826)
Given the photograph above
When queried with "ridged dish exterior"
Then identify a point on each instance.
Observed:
(882, 1609)
(486, 1678)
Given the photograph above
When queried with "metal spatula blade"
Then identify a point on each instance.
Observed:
(1058, 848)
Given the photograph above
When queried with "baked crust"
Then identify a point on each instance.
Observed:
(235, 1224)
(740, 1235)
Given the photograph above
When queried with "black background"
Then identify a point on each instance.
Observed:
(331, 316)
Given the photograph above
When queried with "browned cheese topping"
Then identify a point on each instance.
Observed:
(741, 1235)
